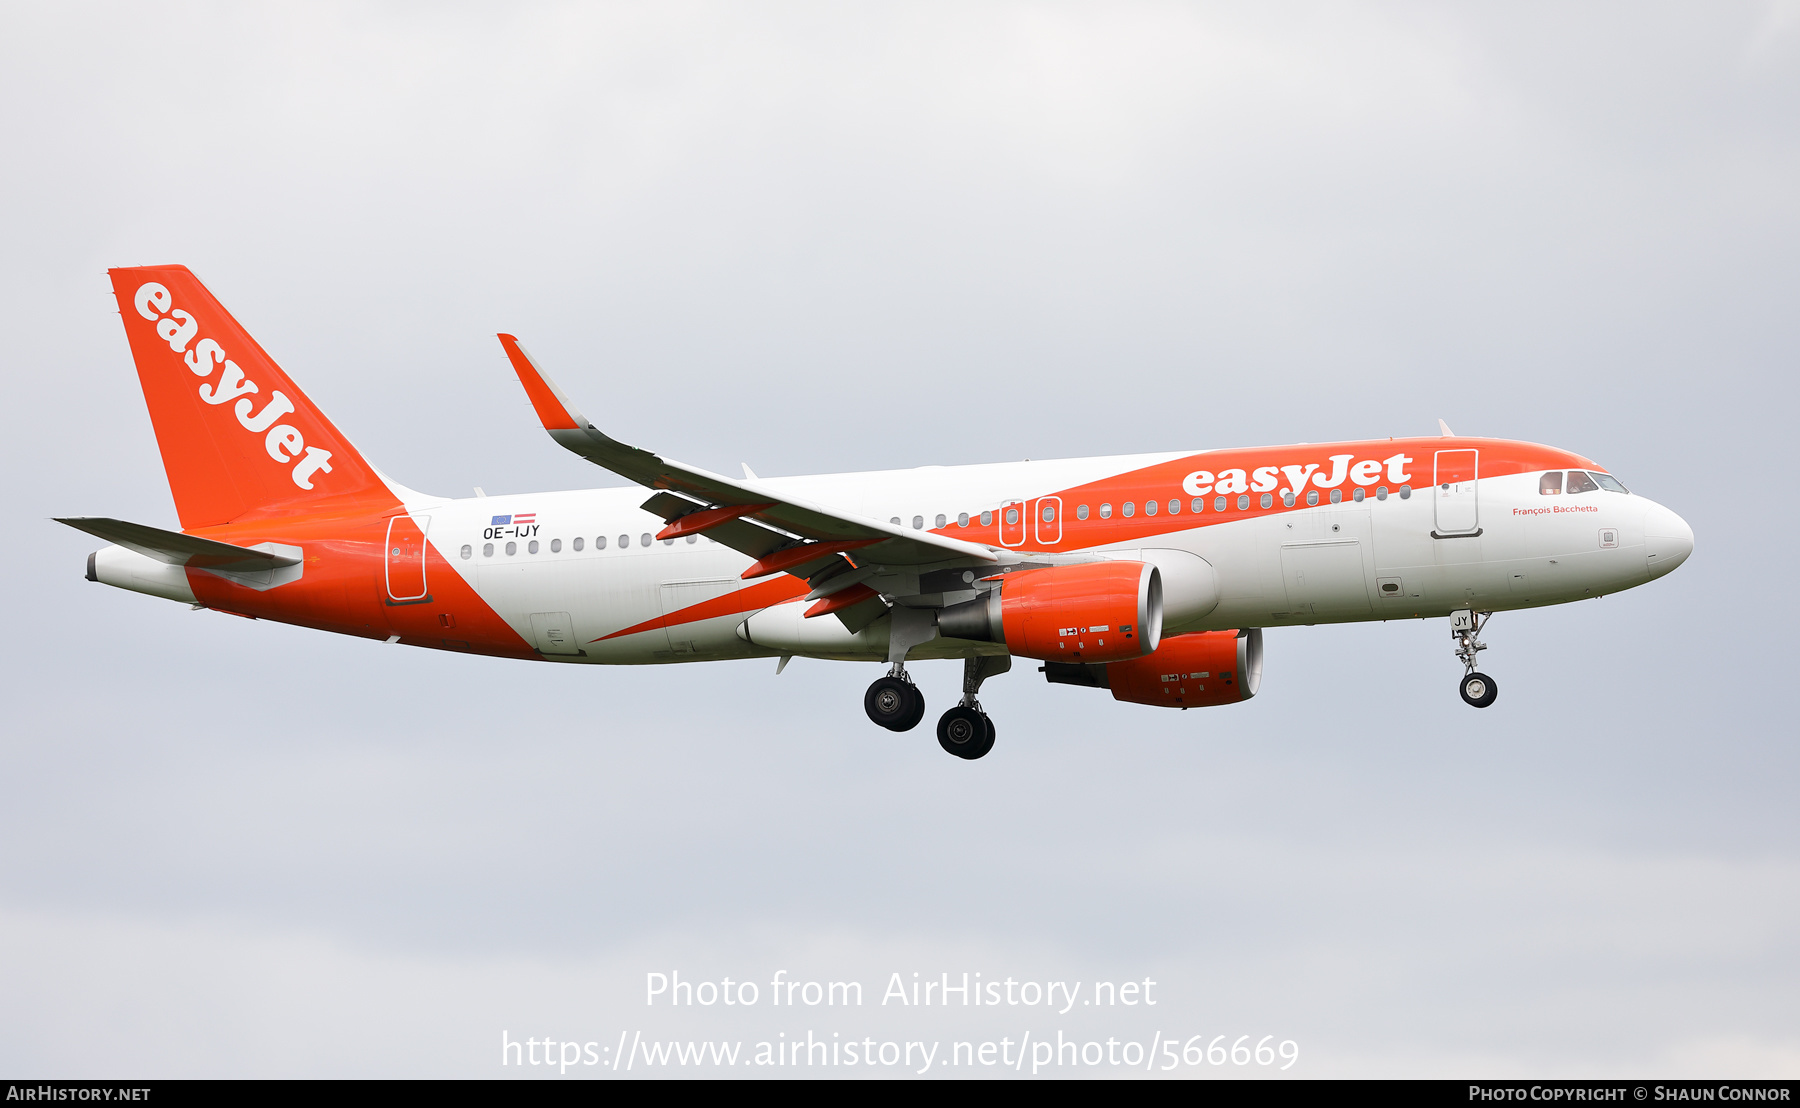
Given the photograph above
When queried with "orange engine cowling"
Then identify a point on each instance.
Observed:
(1088, 613)
(1186, 671)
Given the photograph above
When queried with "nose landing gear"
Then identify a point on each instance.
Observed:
(1478, 689)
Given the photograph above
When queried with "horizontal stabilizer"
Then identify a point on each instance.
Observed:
(177, 549)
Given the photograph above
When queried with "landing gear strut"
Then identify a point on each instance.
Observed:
(965, 730)
(894, 701)
(1478, 689)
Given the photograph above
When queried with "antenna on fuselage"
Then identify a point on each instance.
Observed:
(1444, 430)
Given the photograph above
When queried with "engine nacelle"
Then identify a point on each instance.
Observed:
(1186, 671)
(1088, 613)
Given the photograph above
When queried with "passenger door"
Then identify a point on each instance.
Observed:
(405, 559)
(1454, 493)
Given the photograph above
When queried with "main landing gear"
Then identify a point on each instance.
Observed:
(896, 703)
(1478, 689)
(965, 730)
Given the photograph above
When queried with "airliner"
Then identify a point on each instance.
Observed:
(1151, 576)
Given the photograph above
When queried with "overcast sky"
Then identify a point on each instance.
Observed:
(835, 237)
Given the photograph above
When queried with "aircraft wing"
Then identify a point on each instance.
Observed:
(745, 510)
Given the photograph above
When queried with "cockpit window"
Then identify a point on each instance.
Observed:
(1609, 482)
(1550, 484)
(1581, 482)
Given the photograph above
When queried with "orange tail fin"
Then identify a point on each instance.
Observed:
(237, 436)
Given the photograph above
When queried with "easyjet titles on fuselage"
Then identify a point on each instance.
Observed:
(1230, 482)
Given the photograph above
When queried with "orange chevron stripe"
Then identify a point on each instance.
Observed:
(753, 599)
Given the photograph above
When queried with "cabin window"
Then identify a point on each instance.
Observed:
(533, 548)
(487, 550)
(668, 542)
(1149, 507)
(1218, 503)
(1268, 500)
(1358, 495)
(1608, 482)
(1312, 497)
(1106, 511)
(624, 541)
(962, 519)
(1081, 511)
(1337, 496)
(1049, 513)
(895, 520)
(1244, 503)
(1174, 507)
(511, 549)
(941, 521)
(599, 542)
(1199, 504)
(1550, 484)
(987, 519)
(1012, 515)
(644, 539)
(691, 539)
(918, 523)
(1287, 498)
(1381, 493)
(556, 546)
(1581, 482)
(467, 551)
(1406, 492)
(1128, 509)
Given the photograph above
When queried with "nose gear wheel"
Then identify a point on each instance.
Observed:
(1479, 690)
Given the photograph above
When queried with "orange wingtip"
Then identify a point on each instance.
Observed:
(551, 411)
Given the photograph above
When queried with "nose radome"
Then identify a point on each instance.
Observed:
(1668, 540)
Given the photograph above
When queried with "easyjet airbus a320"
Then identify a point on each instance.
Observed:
(1149, 575)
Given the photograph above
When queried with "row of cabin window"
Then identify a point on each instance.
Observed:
(1551, 484)
(1130, 508)
(487, 549)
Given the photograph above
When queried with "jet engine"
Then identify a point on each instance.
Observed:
(1186, 671)
(1093, 612)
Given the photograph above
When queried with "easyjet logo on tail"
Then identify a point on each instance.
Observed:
(282, 441)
